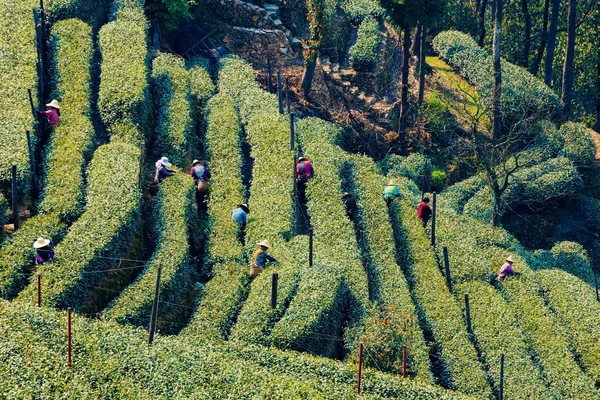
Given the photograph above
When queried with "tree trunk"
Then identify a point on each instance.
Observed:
(496, 96)
(567, 79)
(416, 44)
(309, 73)
(551, 42)
(404, 93)
(597, 126)
(422, 64)
(527, 41)
(482, 22)
(540, 54)
(496, 201)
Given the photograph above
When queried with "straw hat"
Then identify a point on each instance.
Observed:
(165, 161)
(244, 207)
(264, 243)
(53, 104)
(302, 159)
(346, 194)
(510, 259)
(41, 242)
(195, 162)
(392, 182)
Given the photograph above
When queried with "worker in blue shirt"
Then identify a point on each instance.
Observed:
(391, 191)
(260, 258)
(240, 215)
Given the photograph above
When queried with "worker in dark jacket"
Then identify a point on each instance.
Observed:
(304, 172)
(240, 215)
(52, 114)
(162, 170)
(43, 251)
(424, 211)
(200, 172)
(260, 258)
(350, 204)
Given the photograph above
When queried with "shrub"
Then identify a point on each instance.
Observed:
(456, 196)
(175, 134)
(441, 312)
(72, 141)
(123, 95)
(3, 210)
(523, 95)
(438, 180)
(573, 258)
(174, 207)
(91, 11)
(202, 87)
(17, 254)
(363, 54)
(18, 72)
(416, 167)
(104, 230)
(579, 146)
(358, 10)
(547, 136)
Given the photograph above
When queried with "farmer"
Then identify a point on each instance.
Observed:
(506, 269)
(260, 258)
(43, 251)
(240, 215)
(199, 172)
(424, 211)
(161, 169)
(304, 172)
(52, 114)
(391, 191)
(350, 204)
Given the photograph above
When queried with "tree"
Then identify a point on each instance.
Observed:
(497, 94)
(551, 42)
(527, 41)
(543, 39)
(169, 12)
(597, 126)
(568, 78)
(320, 13)
(482, 22)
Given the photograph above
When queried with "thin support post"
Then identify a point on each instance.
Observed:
(292, 134)
(279, 92)
(596, 284)
(468, 314)
(69, 339)
(15, 197)
(269, 75)
(360, 360)
(141, 167)
(154, 313)
(501, 397)
(274, 282)
(404, 363)
(433, 219)
(287, 95)
(32, 163)
(447, 268)
(310, 246)
(39, 290)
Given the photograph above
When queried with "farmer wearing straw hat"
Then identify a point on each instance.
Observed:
(43, 251)
(200, 172)
(506, 269)
(260, 258)
(161, 169)
(52, 114)
(240, 215)
(391, 191)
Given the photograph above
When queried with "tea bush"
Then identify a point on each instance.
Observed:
(3, 210)
(72, 141)
(173, 210)
(416, 167)
(579, 146)
(363, 54)
(105, 229)
(359, 10)
(202, 87)
(17, 254)
(523, 95)
(573, 258)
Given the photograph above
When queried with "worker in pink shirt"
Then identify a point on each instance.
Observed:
(506, 269)
(53, 113)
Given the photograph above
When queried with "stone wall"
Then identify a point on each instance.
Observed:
(254, 44)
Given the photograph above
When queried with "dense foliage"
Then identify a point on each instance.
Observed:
(363, 53)
(358, 10)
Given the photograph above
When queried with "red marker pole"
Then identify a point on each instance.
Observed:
(404, 361)
(69, 337)
(360, 357)
(39, 290)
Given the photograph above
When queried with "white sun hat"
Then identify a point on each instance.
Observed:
(41, 242)
(264, 243)
(165, 161)
(53, 104)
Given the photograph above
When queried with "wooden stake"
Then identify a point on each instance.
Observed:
(269, 75)
(274, 281)
(287, 95)
(310, 246)
(501, 397)
(39, 290)
(69, 338)
(468, 313)
(15, 197)
(596, 284)
(447, 268)
(292, 135)
(154, 312)
(433, 219)
(279, 92)
(32, 165)
(404, 373)
(360, 360)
